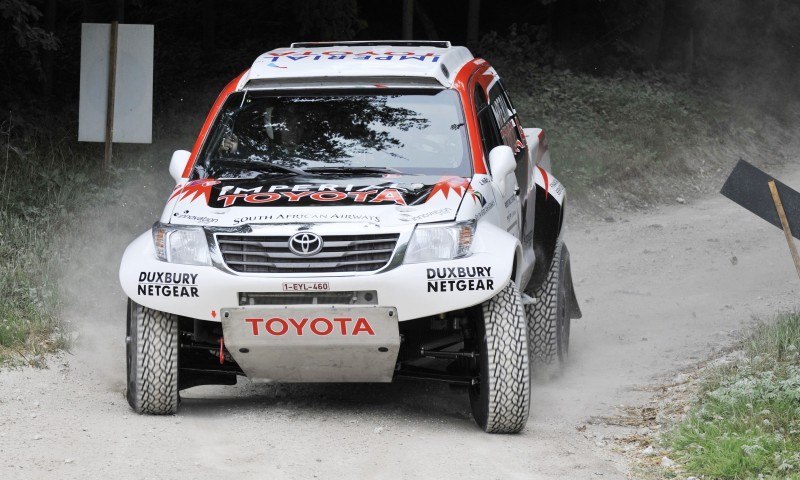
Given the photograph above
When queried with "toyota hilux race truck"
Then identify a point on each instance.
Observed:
(355, 212)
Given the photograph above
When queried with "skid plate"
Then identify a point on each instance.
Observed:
(313, 343)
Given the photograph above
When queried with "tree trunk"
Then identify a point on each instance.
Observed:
(50, 12)
(119, 11)
(408, 19)
(209, 26)
(427, 23)
(647, 33)
(675, 44)
(473, 23)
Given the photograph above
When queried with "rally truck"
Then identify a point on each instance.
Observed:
(356, 212)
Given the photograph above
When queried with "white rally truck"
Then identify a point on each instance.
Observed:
(355, 212)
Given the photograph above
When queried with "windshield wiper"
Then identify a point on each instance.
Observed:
(259, 166)
(353, 170)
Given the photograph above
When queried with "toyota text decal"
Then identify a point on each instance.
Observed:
(320, 326)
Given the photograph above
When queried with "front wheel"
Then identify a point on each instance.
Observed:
(500, 398)
(152, 359)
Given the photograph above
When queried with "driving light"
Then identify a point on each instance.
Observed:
(185, 245)
(440, 242)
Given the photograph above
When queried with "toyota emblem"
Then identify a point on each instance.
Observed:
(305, 244)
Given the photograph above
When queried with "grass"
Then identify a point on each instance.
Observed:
(46, 179)
(615, 128)
(747, 421)
(48, 182)
(633, 140)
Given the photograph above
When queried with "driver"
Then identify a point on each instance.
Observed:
(229, 144)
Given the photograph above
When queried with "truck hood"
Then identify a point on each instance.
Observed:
(387, 200)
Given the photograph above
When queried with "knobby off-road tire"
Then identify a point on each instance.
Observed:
(549, 317)
(152, 351)
(501, 399)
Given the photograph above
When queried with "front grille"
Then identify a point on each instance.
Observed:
(368, 297)
(340, 253)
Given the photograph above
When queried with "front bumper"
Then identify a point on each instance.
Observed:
(414, 290)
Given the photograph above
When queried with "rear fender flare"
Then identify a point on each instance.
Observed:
(549, 219)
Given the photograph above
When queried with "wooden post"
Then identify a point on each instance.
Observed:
(408, 19)
(50, 12)
(112, 79)
(785, 223)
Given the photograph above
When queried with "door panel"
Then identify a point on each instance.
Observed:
(511, 134)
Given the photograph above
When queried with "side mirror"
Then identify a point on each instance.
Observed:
(178, 164)
(501, 163)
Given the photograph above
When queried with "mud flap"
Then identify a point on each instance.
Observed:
(313, 344)
(574, 309)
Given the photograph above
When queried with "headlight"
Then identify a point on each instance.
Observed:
(186, 245)
(440, 242)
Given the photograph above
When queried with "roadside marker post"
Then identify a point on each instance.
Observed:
(769, 199)
(116, 85)
(112, 80)
(785, 224)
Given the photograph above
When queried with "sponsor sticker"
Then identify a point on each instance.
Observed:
(306, 287)
(319, 326)
(186, 215)
(217, 195)
(528, 238)
(167, 284)
(484, 210)
(195, 189)
(424, 215)
(456, 186)
(290, 57)
(459, 279)
(308, 195)
(305, 217)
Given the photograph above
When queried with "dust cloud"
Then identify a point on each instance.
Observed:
(94, 306)
(751, 54)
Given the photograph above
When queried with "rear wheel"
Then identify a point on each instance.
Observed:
(549, 317)
(500, 399)
(152, 360)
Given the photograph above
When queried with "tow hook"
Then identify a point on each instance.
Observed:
(221, 350)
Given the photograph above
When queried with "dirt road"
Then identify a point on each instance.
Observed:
(659, 291)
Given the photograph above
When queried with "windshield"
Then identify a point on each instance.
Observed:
(417, 132)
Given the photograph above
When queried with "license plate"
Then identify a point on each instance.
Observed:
(306, 287)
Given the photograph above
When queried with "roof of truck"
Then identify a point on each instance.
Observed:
(375, 63)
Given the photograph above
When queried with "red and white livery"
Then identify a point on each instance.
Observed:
(356, 212)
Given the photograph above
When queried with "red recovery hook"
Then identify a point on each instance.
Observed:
(221, 350)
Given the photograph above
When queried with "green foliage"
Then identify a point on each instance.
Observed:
(747, 422)
(628, 138)
(528, 44)
(328, 19)
(624, 130)
(20, 15)
(45, 180)
(21, 35)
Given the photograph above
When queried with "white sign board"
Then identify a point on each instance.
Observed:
(133, 98)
